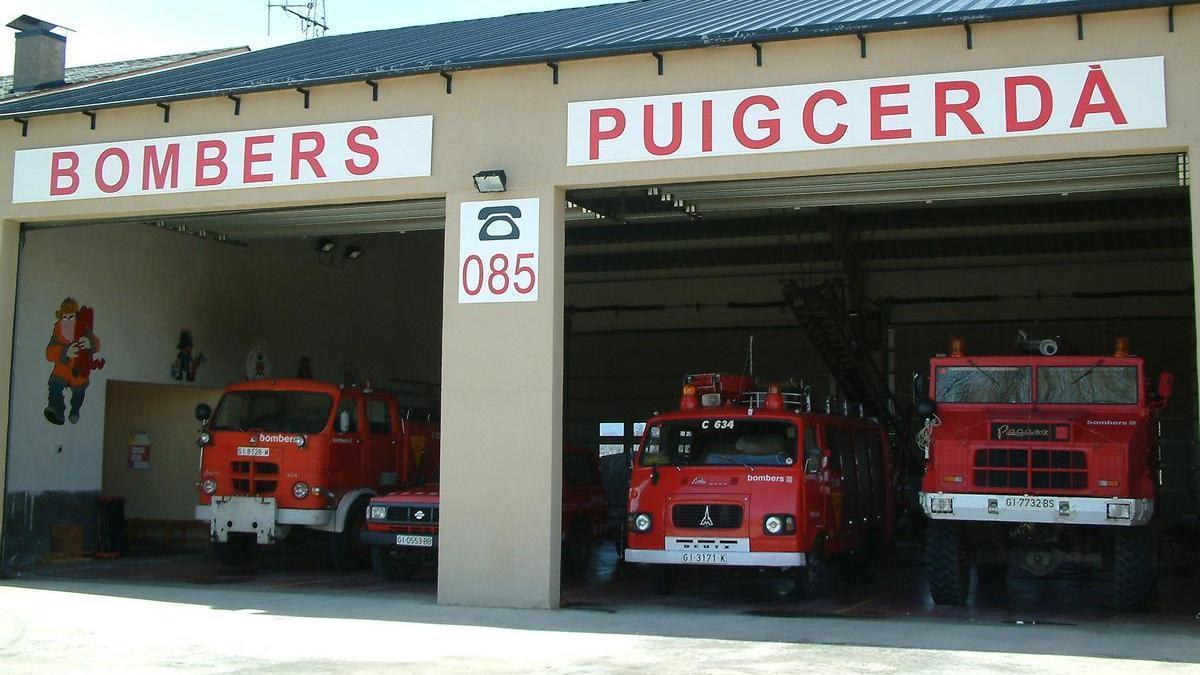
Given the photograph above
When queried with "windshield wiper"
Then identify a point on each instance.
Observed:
(728, 458)
(985, 373)
(1087, 372)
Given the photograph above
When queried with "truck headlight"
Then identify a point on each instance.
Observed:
(642, 522)
(941, 505)
(300, 490)
(209, 486)
(376, 512)
(1118, 511)
(779, 523)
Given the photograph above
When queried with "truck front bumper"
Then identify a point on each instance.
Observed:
(1059, 510)
(257, 515)
(733, 552)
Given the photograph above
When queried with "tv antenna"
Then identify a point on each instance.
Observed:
(311, 15)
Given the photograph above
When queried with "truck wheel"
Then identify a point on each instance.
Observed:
(390, 568)
(945, 565)
(577, 551)
(808, 577)
(346, 549)
(663, 580)
(241, 548)
(1134, 574)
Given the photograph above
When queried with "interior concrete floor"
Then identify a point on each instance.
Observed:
(611, 620)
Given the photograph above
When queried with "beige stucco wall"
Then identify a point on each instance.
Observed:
(514, 118)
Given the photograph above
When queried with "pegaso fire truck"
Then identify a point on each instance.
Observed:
(1039, 460)
(740, 478)
(279, 454)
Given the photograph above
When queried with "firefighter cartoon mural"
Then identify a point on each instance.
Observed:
(186, 364)
(72, 350)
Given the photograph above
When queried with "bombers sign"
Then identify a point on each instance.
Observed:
(1002, 103)
(321, 153)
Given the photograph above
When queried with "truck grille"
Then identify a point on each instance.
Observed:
(409, 515)
(723, 516)
(254, 478)
(1024, 468)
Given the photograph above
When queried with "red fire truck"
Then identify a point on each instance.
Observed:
(758, 479)
(402, 527)
(278, 454)
(1040, 460)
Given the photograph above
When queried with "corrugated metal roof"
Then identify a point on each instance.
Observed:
(99, 71)
(630, 27)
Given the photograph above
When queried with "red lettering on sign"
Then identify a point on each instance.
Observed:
(250, 158)
(58, 172)
(706, 125)
(153, 168)
(123, 178)
(595, 135)
(943, 108)
(676, 130)
(880, 111)
(369, 152)
(205, 161)
(1097, 82)
(770, 125)
(810, 111)
(309, 156)
(1045, 99)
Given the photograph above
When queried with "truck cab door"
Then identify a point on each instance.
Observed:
(346, 448)
(382, 443)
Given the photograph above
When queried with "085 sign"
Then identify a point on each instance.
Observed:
(498, 251)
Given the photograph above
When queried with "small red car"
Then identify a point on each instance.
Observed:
(402, 527)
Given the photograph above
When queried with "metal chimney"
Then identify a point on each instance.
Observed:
(41, 57)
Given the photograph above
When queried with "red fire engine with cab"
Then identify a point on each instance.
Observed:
(758, 479)
(402, 527)
(278, 454)
(1040, 460)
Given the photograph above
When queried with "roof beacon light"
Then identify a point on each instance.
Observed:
(958, 346)
(1121, 347)
(774, 398)
(689, 400)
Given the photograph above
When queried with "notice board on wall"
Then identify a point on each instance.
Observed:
(139, 450)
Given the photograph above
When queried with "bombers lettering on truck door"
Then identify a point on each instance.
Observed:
(345, 151)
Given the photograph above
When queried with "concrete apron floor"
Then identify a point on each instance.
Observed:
(289, 614)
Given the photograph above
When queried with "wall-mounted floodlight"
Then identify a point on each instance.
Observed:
(352, 253)
(492, 180)
(325, 245)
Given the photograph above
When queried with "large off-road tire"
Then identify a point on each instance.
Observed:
(346, 550)
(1135, 575)
(663, 579)
(389, 567)
(576, 550)
(946, 564)
(239, 551)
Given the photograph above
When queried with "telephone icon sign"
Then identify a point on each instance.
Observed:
(499, 216)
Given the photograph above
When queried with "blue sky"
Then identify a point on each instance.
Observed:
(111, 30)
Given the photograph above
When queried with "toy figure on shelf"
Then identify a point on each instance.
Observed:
(186, 365)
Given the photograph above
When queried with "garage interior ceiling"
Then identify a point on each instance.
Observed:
(1079, 209)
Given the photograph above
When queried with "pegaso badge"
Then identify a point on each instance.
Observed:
(706, 521)
(419, 515)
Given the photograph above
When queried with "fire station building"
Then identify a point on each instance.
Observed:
(540, 222)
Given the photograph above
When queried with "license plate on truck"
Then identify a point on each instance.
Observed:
(1031, 502)
(704, 558)
(245, 451)
(414, 540)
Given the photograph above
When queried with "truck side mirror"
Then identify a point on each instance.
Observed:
(923, 405)
(1166, 386)
(812, 465)
(204, 412)
(343, 422)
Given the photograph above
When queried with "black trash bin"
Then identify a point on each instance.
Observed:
(110, 527)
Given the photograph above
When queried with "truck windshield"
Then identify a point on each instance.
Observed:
(984, 384)
(294, 412)
(721, 442)
(1113, 385)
